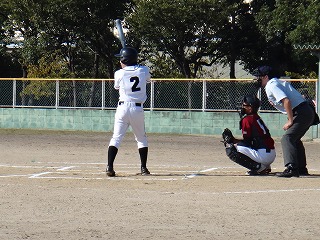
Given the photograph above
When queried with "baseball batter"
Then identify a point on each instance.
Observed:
(131, 81)
(256, 150)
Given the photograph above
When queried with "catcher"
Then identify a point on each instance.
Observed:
(256, 150)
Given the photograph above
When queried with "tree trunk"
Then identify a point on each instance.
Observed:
(232, 68)
(95, 75)
(187, 73)
(24, 84)
(71, 68)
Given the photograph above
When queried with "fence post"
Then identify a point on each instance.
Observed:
(57, 94)
(259, 94)
(204, 95)
(151, 95)
(14, 93)
(103, 94)
(318, 93)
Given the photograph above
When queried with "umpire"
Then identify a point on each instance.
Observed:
(300, 116)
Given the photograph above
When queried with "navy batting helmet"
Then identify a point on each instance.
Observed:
(128, 56)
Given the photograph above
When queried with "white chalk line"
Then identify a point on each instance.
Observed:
(274, 191)
(71, 169)
(65, 168)
(144, 178)
(255, 192)
(29, 166)
(120, 164)
(39, 174)
(14, 175)
(199, 172)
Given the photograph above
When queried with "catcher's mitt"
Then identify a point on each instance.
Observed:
(227, 136)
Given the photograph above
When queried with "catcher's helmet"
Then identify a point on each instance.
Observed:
(253, 101)
(262, 71)
(128, 56)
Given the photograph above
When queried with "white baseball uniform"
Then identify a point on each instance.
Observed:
(131, 82)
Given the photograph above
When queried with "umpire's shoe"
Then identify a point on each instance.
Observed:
(144, 171)
(110, 172)
(304, 172)
(289, 172)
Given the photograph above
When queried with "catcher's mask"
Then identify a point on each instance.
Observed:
(260, 72)
(252, 101)
(249, 100)
(128, 56)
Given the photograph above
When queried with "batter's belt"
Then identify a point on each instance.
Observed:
(137, 104)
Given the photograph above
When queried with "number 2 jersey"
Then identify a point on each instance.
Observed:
(256, 133)
(131, 82)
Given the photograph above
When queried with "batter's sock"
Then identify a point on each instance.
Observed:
(112, 153)
(143, 156)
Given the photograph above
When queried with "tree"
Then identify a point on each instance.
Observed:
(81, 31)
(280, 22)
(306, 36)
(241, 38)
(186, 30)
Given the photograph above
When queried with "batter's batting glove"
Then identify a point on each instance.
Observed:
(227, 137)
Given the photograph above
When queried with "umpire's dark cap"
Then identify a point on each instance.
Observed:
(262, 71)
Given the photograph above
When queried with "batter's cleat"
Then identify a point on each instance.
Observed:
(289, 172)
(144, 171)
(110, 172)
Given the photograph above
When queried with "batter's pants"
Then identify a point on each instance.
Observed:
(128, 114)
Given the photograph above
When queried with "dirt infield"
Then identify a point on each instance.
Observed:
(53, 186)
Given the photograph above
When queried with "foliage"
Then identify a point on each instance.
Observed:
(161, 65)
(241, 38)
(282, 23)
(293, 75)
(307, 88)
(51, 67)
(186, 30)
(51, 25)
(307, 29)
(180, 38)
(81, 31)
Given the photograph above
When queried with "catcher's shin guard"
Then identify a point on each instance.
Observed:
(241, 159)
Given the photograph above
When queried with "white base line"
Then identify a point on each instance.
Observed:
(65, 168)
(197, 174)
(108, 178)
(265, 191)
(14, 175)
(39, 174)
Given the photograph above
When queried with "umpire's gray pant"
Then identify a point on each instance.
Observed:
(292, 146)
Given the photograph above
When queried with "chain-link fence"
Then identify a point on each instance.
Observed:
(163, 94)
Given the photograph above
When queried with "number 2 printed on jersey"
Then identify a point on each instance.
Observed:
(135, 81)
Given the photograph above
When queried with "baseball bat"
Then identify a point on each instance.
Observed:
(120, 32)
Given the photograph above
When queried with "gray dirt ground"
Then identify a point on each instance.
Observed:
(53, 186)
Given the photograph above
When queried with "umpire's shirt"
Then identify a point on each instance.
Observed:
(277, 90)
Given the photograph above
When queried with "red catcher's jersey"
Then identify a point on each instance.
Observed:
(253, 128)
